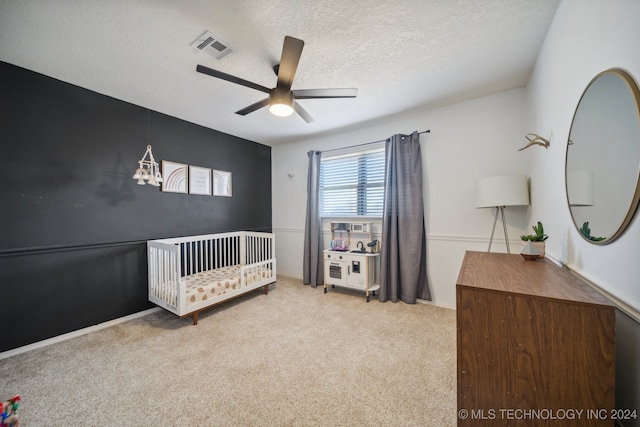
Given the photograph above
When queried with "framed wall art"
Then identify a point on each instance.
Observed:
(221, 183)
(199, 180)
(175, 177)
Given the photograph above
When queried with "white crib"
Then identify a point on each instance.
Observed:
(189, 274)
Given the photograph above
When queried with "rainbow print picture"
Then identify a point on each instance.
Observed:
(221, 183)
(175, 177)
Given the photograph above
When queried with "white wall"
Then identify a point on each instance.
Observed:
(480, 138)
(468, 141)
(587, 37)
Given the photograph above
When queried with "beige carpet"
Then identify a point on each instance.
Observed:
(295, 357)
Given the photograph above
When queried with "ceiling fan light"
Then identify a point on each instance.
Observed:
(281, 102)
(281, 109)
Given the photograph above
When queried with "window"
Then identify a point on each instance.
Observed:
(352, 184)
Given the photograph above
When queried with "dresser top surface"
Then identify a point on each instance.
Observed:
(512, 273)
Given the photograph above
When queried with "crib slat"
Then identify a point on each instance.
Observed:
(248, 250)
(208, 256)
(166, 277)
(170, 279)
(252, 249)
(236, 250)
(191, 257)
(256, 249)
(215, 254)
(183, 257)
(203, 248)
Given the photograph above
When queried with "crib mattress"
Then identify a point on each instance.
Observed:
(211, 284)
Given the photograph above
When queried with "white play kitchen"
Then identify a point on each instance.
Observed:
(356, 266)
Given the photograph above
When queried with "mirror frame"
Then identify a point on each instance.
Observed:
(633, 206)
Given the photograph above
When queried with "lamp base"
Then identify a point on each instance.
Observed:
(499, 209)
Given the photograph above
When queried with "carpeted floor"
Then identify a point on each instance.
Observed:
(295, 357)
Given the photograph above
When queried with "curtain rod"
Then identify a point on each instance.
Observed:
(367, 143)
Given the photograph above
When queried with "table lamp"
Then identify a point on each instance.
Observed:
(499, 192)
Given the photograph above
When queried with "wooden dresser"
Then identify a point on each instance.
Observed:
(535, 345)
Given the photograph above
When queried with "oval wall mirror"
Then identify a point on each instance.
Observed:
(602, 168)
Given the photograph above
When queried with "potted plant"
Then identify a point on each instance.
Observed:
(586, 232)
(537, 239)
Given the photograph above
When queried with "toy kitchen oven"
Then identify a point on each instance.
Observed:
(355, 268)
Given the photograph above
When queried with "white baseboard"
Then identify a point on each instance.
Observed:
(435, 304)
(73, 334)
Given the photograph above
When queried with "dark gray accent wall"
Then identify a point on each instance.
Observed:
(74, 224)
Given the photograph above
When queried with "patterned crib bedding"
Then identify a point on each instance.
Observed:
(211, 284)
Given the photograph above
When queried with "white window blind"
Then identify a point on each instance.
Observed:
(352, 184)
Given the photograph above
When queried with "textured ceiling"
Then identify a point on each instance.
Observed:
(401, 55)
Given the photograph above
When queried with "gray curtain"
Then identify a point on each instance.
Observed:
(312, 264)
(403, 251)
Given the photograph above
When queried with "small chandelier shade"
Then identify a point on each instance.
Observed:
(149, 171)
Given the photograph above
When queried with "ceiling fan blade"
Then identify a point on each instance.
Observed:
(325, 93)
(253, 107)
(233, 79)
(302, 113)
(291, 52)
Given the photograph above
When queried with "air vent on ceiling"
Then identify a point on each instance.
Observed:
(212, 45)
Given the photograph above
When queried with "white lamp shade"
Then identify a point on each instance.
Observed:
(506, 190)
(580, 188)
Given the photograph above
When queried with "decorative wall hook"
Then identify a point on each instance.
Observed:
(535, 139)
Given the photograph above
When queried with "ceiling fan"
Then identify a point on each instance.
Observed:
(282, 99)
